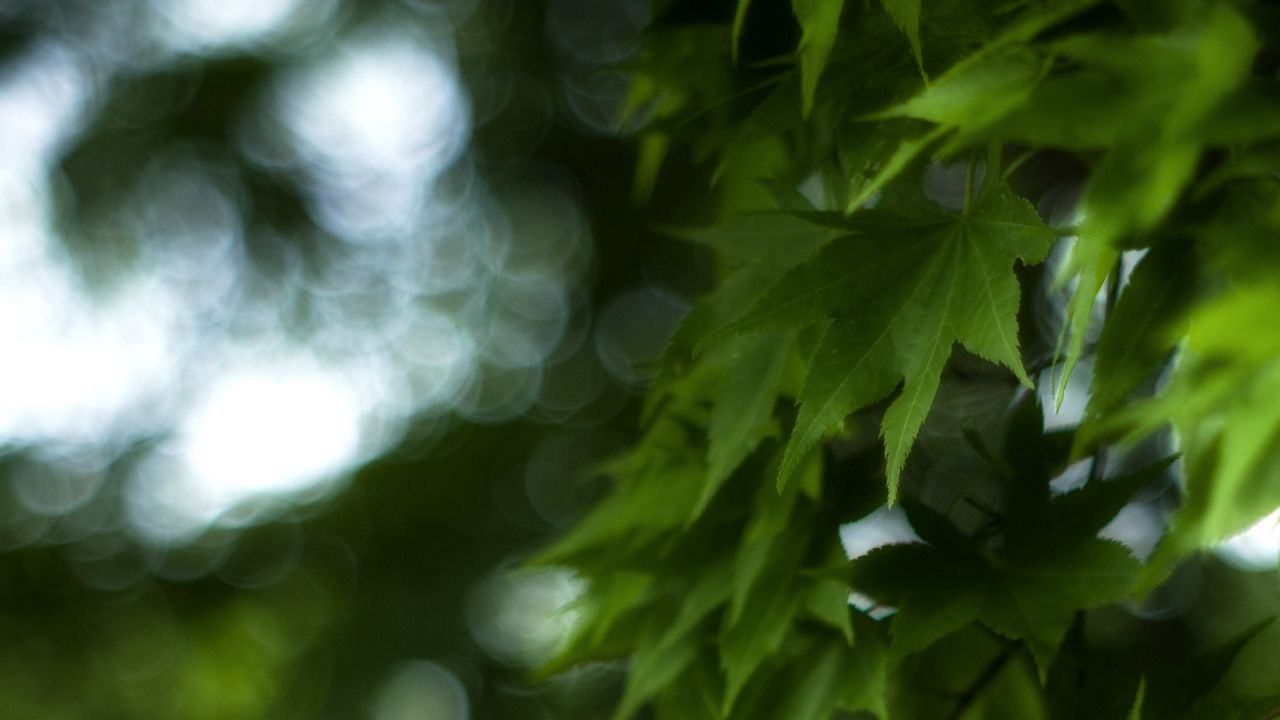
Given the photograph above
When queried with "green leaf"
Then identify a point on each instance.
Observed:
(1215, 327)
(1137, 183)
(936, 593)
(1136, 712)
(926, 617)
(1147, 320)
(757, 250)
(773, 513)
(1130, 191)
(1220, 402)
(908, 286)
(1178, 687)
(867, 677)
(853, 367)
(829, 281)
(977, 90)
(708, 593)
(835, 675)
(1233, 469)
(828, 602)
(749, 565)
(655, 485)
(1032, 458)
(743, 406)
(1080, 514)
(654, 666)
(1251, 114)
(1257, 162)
(739, 20)
(1036, 601)
(939, 592)
(694, 695)
(905, 152)
(818, 693)
(906, 15)
(819, 22)
(611, 599)
(935, 529)
(757, 635)
(649, 158)
(1039, 17)
(1090, 677)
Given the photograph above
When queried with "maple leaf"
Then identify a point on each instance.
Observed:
(1049, 563)
(1146, 322)
(1136, 185)
(943, 587)
(851, 678)
(910, 281)
(819, 20)
(906, 15)
(1221, 401)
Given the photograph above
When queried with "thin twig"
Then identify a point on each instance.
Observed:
(980, 683)
(1017, 162)
(970, 170)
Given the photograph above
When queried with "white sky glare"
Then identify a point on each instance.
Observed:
(427, 294)
(209, 25)
(271, 429)
(180, 350)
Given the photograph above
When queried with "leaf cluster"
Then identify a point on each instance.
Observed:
(885, 331)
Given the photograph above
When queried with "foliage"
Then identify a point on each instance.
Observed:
(890, 178)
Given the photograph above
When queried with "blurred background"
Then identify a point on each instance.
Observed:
(313, 315)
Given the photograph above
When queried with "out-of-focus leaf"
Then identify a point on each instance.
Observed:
(654, 666)
(1147, 320)
(1138, 182)
(819, 23)
(756, 635)
(739, 20)
(743, 405)
(1176, 689)
(851, 678)
(757, 251)
(1220, 402)
(906, 15)
(828, 602)
(977, 90)
(1136, 712)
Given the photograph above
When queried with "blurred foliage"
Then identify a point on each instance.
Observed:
(303, 617)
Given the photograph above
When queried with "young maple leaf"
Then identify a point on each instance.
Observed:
(911, 280)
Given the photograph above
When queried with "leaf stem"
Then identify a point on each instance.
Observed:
(1017, 162)
(1098, 465)
(981, 682)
